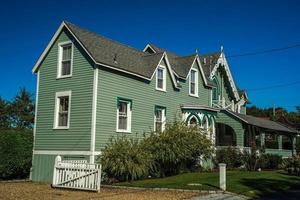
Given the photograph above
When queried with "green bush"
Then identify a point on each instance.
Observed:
(270, 161)
(231, 156)
(178, 148)
(15, 154)
(125, 159)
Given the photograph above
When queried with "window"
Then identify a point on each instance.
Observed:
(159, 118)
(194, 82)
(161, 78)
(62, 110)
(65, 60)
(124, 115)
(271, 140)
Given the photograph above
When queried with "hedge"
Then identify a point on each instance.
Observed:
(15, 153)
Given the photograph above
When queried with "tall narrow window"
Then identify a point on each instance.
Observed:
(194, 82)
(65, 60)
(161, 78)
(124, 116)
(159, 119)
(62, 110)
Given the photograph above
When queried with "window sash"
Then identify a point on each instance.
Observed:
(159, 119)
(63, 111)
(160, 78)
(193, 79)
(66, 52)
(123, 115)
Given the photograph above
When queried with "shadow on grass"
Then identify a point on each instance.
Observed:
(277, 189)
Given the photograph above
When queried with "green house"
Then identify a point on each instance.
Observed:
(90, 89)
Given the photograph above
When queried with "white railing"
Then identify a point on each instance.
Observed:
(223, 104)
(76, 175)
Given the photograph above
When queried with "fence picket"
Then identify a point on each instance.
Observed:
(76, 174)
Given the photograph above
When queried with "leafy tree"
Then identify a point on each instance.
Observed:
(4, 114)
(22, 110)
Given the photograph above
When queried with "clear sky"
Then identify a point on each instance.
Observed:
(26, 27)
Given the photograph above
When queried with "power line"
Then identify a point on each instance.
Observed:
(264, 51)
(274, 86)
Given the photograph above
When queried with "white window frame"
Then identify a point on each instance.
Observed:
(60, 54)
(164, 78)
(56, 110)
(196, 83)
(163, 118)
(129, 114)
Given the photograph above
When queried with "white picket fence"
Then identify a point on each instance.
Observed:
(76, 174)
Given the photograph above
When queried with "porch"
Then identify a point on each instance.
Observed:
(227, 128)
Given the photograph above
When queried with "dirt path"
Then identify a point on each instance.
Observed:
(28, 190)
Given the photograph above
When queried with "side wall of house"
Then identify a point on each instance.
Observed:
(144, 98)
(77, 137)
(233, 123)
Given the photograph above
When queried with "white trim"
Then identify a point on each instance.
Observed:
(94, 114)
(36, 107)
(189, 122)
(57, 95)
(149, 46)
(196, 82)
(59, 59)
(50, 152)
(222, 60)
(129, 114)
(164, 71)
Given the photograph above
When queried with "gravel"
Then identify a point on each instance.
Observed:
(29, 190)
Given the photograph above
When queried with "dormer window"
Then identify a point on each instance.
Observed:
(193, 83)
(161, 78)
(65, 60)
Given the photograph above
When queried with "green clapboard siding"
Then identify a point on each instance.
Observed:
(235, 124)
(43, 166)
(81, 84)
(144, 98)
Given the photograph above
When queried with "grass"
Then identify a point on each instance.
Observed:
(252, 184)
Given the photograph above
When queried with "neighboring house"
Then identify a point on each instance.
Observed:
(90, 89)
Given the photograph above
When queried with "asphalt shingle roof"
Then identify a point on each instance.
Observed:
(208, 61)
(115, 54)
(263, 123)
(180, 64)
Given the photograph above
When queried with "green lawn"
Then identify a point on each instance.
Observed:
(253, 184)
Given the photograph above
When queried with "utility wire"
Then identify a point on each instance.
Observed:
(264, 51)
(274, 86)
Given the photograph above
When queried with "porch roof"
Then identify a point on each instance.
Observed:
(198, 107)
(263, 123)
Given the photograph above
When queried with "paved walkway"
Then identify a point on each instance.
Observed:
(221, 196)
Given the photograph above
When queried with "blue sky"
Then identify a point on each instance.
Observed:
(179, 26)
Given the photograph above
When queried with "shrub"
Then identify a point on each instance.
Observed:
(231, 156)
(15, 154)
(270, 161)
(125, 159)
(292, 165)
(178, 148)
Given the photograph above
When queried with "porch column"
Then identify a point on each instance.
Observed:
(262, 139)
(294, 140)
(280, 142)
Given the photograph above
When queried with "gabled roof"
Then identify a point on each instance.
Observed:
(180, 64)
(263, 123)
(112, 54)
